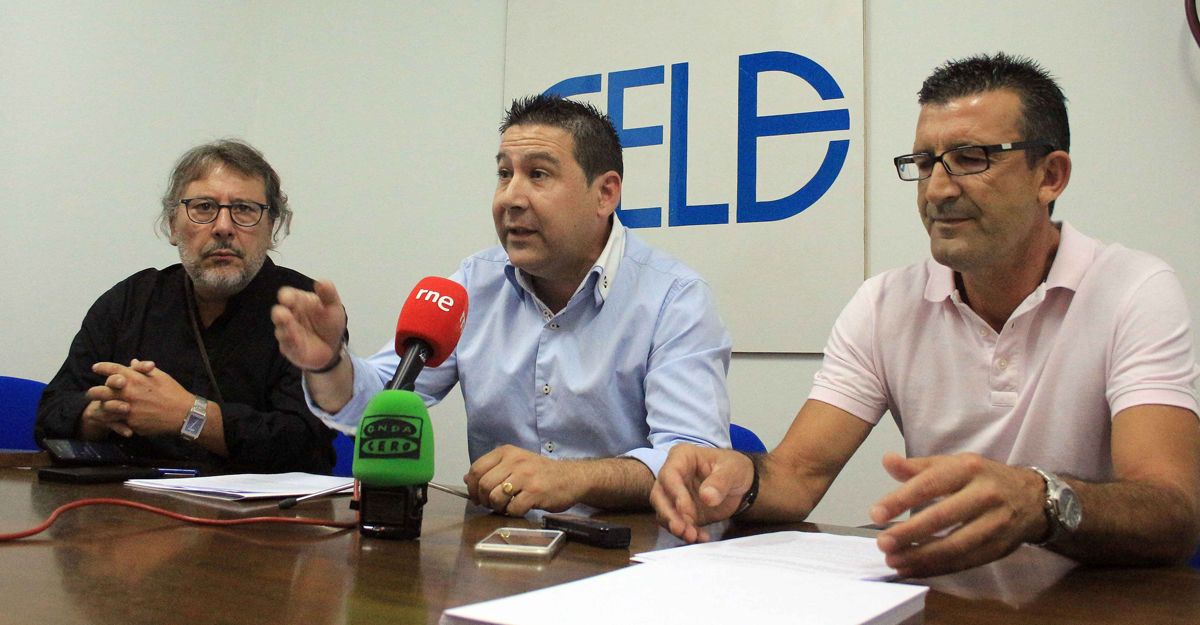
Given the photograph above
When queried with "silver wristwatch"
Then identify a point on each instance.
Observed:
(1062, 507)
(195, 419)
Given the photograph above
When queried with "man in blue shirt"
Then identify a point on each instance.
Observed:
(586, 354)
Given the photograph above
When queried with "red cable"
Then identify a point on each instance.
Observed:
(174, 515)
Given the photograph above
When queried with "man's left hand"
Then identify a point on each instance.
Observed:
(976, 511)
(533, 481)
(151, 401)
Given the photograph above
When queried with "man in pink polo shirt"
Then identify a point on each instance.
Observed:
(1044, 382)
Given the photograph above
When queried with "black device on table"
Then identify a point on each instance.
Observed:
(588, 530)
(94, 462)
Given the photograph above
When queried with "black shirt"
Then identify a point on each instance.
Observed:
(268, 427)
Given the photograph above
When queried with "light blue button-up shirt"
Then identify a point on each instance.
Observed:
(633, 364)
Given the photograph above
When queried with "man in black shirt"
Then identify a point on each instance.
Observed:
(204, 379)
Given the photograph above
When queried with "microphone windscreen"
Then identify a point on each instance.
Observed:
(434, 312)
(394, 446)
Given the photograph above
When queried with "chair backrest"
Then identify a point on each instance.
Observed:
(743, 439)
(18, 410)
(343, 446)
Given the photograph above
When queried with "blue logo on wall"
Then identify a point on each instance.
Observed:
(751, 126)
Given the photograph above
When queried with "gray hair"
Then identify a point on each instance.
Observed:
(243, 158)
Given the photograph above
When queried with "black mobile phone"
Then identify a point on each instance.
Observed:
(76, 452)
(589, 531)
(96, 475)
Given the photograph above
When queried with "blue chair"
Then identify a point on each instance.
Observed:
(743, 439)
(343, 446)
(1196, 560)
(18, 410)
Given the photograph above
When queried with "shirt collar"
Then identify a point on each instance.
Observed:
(940, 284)
(604, 270)
(609, 261)
(1075, 252)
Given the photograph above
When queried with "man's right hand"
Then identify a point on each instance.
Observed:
(309, 326)
(697, 486)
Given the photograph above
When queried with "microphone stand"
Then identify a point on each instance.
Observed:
(416, 352)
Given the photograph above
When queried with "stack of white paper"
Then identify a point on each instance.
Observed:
(687, 591)
(853, 557)
(246, 485)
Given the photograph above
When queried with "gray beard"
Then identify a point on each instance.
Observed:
(215, 283)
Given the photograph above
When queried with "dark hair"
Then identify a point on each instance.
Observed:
(237, 155)
(597, 148)
(1043, 105)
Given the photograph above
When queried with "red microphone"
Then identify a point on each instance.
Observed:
(431, 322)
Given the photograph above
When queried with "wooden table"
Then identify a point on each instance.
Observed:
(103, 565)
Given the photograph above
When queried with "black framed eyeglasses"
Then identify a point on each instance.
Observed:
(961, 161)
(204, 210)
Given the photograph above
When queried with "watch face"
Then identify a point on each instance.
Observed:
(191, 427)
(1071, 513)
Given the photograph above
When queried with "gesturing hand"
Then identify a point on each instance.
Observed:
(697, 486)
(309, 326)
(976, 511)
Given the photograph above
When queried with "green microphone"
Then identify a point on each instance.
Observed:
(393, 462)
(393, 452)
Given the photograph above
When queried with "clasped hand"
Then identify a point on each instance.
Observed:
(138, 399)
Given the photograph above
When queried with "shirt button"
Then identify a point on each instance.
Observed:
(1002, 363)
(545, 389)
(553, 325)
(550, 446)
(983, 332)
(546, 313)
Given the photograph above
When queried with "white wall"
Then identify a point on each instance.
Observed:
(381, 118)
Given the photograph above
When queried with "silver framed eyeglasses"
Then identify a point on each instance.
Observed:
(204, 210)
(961, 161)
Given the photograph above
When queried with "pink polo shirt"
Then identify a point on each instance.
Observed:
(1109, 329)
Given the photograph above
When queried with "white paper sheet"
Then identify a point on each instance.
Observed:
(853, 557)
(246, 485)
(693, 592)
